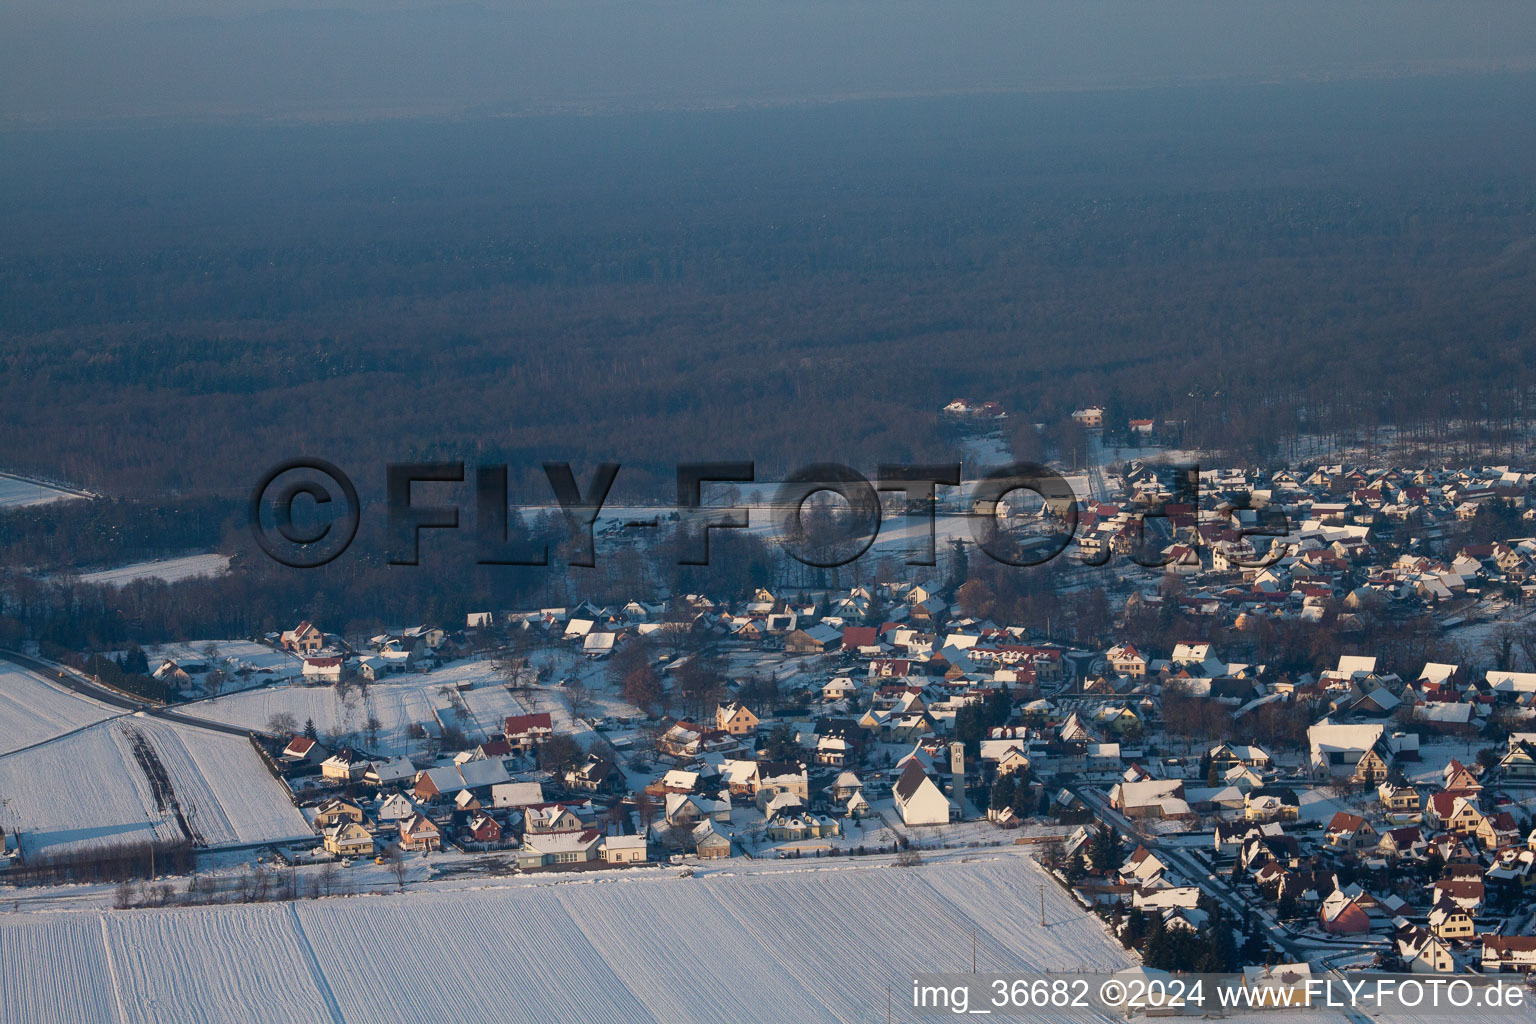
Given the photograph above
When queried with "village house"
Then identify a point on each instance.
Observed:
(708, 843)
(558, 849)
(524, 732)
(482, 828)
(1151, 798)
(348, 839)
(1503, 954)
(596, 775)
(1127, 661)
(302, 749)
(1350, 833)
(330, 812)
(1449, 921)
(304, 639)
(623, 849)
(549, 818)
(736, 719)
(343, 767)
(324, 670)
(394, 808)
(918, 799)
(419, 833)
(1342, 915)
(1401, 803)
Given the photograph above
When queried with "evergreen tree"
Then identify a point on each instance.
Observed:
(1002, 792)
(309, 729)
(1254, 948)
(1106, 850)
(136, 662)
(1023, 802)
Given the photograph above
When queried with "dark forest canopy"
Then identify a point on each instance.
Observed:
(182, 305)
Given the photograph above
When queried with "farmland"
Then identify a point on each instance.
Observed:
(33, 710)
(18, 492)
(170, 570)
(801, 945)
(132, 779)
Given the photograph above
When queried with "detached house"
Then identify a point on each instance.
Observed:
(1520, 761)
(1126, 660)
(1151, 798)
(1459, 780)
(919, 799)
(301, 749)
(1449, 921)
(336, 810)
(1407, 842)
(708, 843)
(1401, 803)
(482, 828)
(524, 732)
(344, 767)
(559, 848)
(735, 719)
(1503, 954)
(1350, 833)
(348, 839)
(623, 850)
(1349, 751)
(304, 639)
(1340, 915)
(324, 670)
(1453, 813)
(418, 833)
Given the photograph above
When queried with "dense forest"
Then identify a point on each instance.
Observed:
(183, 305)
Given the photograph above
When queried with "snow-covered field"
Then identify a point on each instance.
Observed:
(761, 947)
(171, 570)
(16, 492)
(92, 789)
(400, 701)
(232, 656)
(756, 942)
(32, 710)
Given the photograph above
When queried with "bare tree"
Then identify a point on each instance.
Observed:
(325, 882)
(1501, 646)
(399, 867)
(283, 723)
(576, 697)
(1526, 638)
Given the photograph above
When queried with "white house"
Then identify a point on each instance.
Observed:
(919, 799)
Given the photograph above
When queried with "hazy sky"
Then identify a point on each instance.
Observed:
(103, 59)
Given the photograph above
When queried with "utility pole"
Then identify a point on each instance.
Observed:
(1042, 904)
(973, 950)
